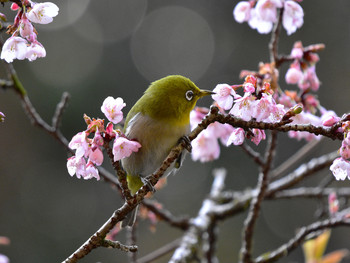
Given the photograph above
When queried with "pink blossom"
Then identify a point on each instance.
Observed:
(205, 148)
(236, 137)
(255, 22)
(223, 96)
(293, 16)
(14, 48)
(267, 9)
(76, 166)
(91, 172)
(96, 156)
(263, 107)
(294, 75)
(112, 109)
(276, 114)
(310, 80)
(43, 13)
(248, 87)
(225, 133)
(34, 51)
(345, 149)
(80, 143)
(258, 136)
(122, 148)
(196, 117)
(297, 52)
(241, 12)
(340, 168)
(244, 107)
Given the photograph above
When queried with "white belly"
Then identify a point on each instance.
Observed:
(156, 140)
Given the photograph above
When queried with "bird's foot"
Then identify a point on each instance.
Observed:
(149, 184)
(186, 143)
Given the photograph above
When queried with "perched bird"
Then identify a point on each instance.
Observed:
(158, 120)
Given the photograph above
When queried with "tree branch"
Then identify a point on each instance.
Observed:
(338, 220)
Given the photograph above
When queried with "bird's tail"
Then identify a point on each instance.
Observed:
(130, 218)
(134, 184)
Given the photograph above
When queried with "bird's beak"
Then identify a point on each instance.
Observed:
(206, 93)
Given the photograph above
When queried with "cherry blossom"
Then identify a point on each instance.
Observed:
(236, 137)
(242, 11)
(244, 107)
(43, 13)
(14, 48)
(205, 148)
(112, 109)
(34, 51)
(224, 94)
(259, 135)
(340, 168)
(122, 148)
(293, 16)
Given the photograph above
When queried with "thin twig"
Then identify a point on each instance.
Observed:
(295, 158)
(160, 252)
(166, 215)
(131, 241)
(300, 237)
(253, 154)
(254, 209)
(311, 192)
(116, 244)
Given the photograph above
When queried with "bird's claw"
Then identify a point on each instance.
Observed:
(186, 143)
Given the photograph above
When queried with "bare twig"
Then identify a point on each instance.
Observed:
(131, 241)
(296, 157)
(254, 209)
(311, 192)
(253, 154)
(166, 215)
(160, 252)
(116, 244)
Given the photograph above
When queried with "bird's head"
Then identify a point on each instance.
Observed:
(172, 98)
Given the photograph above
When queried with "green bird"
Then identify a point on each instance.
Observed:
(158, 120)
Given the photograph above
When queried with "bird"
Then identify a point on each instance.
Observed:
(158, 121)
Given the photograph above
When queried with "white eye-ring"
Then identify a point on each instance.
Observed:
(189, 95)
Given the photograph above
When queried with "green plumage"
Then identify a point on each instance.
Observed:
(158, 120)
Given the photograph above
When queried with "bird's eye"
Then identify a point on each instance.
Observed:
(189, 95)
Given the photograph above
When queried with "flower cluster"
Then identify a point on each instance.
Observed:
(262, 14)
(303, 69)
(257, 103)
(88, 151)
(2, 117)
(23, 43)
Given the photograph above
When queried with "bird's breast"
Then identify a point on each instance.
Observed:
(156, 138)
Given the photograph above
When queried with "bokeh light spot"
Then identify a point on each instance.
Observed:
(173, 40)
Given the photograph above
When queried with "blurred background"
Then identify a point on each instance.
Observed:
(116, 48)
